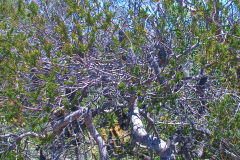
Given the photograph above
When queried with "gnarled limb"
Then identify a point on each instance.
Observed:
(75, 115)
(150, 121)
(187, 50)
(87, 114)
(141, 136)
(68, 119)
(18, 138)
(153, 63)
(97, 137)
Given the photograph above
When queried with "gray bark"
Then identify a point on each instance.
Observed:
(97, 137)
(142, 137)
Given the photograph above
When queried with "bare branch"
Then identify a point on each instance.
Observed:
(97, 137)
(156, 68)
(186, 51)
(18, 138)
(68, 119)
(150, 121)
(141, 136)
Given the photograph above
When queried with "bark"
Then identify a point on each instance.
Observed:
(140, 135)
(68, 119)
(18, 138)
(87, 114)
(97, 137)
(187, 50)
(156, 68)
(75, 115)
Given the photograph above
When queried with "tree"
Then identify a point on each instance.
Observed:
(91, 79)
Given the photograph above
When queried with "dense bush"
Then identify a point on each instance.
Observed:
(119, 79)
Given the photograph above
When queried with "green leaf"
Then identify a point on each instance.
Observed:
(122, 86)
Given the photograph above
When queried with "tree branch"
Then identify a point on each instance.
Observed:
(141, 136)
(156, 68)
(150, 121)
(18, 138)
(97, 137)
(68, 119)
(186, 51)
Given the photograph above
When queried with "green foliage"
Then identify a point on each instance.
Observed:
(122, 86)
(40, 56)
